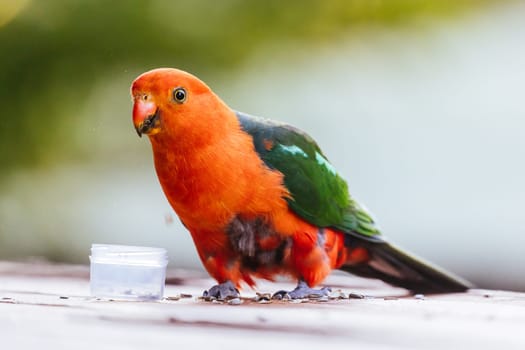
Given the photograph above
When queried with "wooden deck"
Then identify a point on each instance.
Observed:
(45, 306)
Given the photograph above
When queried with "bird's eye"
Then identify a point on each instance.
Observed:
(179, 95)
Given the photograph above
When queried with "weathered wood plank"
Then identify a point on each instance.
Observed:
(48, 306)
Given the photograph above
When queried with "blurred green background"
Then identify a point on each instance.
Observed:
(419, 104)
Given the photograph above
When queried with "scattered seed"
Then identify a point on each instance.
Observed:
(235, 301)
(186, 296)
(264, 301)
(63, 297)
(262, 297)
(355, 296)
(173, 298)
(280, 296)
(338, 294)
(208, 298)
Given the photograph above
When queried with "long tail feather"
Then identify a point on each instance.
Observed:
(396, 267)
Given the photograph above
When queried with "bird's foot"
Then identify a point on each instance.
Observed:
(222, 291)
(302, 291)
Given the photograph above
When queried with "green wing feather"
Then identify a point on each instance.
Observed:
(319, 194)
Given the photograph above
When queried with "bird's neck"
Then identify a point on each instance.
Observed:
(190, 166)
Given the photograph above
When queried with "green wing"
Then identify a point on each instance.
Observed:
(319, 194)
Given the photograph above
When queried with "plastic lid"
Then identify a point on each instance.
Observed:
(128, 255)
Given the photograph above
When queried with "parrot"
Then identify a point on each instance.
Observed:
(260, 198)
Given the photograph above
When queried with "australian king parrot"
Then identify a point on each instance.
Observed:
(260, 198)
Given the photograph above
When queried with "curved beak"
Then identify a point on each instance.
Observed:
(145, 117)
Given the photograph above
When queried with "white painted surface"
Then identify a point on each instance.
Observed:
(32, 315)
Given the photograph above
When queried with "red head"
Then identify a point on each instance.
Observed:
(176, 104)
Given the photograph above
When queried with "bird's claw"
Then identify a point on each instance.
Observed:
(302, 291)
(222, 291)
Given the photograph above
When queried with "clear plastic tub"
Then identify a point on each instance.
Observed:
(127, 272)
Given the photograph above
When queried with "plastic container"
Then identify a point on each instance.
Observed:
(127, 272)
